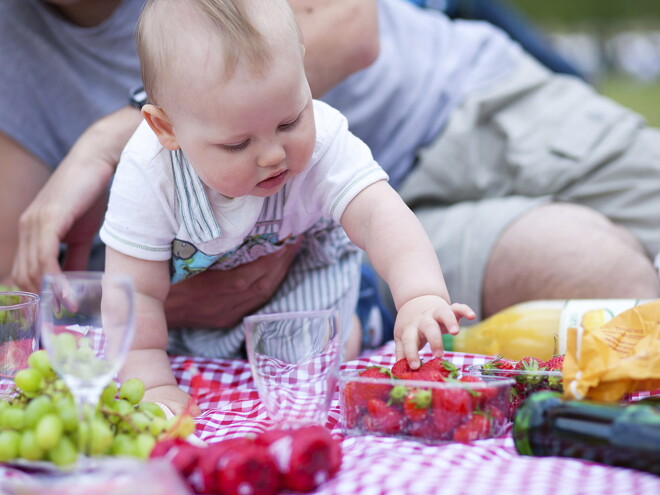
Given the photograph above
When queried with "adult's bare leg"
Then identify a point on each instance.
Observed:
(566, 251)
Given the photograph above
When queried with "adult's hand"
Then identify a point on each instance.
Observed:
(70, 206)
(219, 298)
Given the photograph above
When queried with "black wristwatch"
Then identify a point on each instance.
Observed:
(137, 97)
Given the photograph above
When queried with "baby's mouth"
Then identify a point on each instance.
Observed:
(273, 180)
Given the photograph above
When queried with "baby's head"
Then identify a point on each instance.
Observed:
(226, 84)
(179, 41)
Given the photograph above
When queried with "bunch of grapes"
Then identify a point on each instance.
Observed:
(41, 421)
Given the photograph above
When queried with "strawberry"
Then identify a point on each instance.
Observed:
(381, 418)
(421, 429)
(555, 363)
(500, 366)
(480, 395)
(476, 427)
(446, 368)
(237, 466)
(416, 404)
(306, 456)
(182, 455)
(357, 394)
(455, 400)
(496, 417)
(444, 422)
(401, 367)
(530, 364)
(435, 370)
(515, 402)
(450, 406)
(430, 375)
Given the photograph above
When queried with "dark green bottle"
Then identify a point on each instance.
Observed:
(617, 435)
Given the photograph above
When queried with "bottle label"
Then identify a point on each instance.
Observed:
(589, 314)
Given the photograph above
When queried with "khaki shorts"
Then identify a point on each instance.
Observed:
(535, 137)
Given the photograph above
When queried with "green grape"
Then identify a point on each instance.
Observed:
(49, 431)
(152, 409)
(36, 409)
(181, 426)
(40, 361)
(143, 445)
(81, 437)
(85, 354)
(123, 445)
(29, 448)
(140, 421)
(122, 407)
(66, 410)
(64, 452)
(13, 418)
(29, 380)
(65, 346)
(4, 404)
(102, 437)
(9, 445)
(109, 393)
(157, 426)
(132, 390)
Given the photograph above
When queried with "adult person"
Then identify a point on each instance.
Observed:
(429, 77)
(65, 119)
(546, 172)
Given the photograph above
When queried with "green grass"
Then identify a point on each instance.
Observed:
(644, 98)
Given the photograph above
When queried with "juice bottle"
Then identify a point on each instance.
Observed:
(534, 328)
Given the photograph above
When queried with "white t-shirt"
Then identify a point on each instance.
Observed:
(160, 209)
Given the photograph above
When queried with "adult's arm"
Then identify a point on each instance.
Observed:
(70, 206)
(22, 175)
(340, 36)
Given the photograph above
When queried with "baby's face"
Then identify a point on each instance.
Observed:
(251, 133)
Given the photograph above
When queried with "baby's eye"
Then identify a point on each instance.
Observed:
(289, 125)
(236, 147)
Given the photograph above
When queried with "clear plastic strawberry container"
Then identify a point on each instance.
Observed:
(526, 382)
(428, 411)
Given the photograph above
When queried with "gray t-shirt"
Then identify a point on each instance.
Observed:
(426, 66)
(57, 78)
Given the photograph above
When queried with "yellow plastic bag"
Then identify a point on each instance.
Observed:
(620, 357)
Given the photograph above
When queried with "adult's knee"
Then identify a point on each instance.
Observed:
(566, 251)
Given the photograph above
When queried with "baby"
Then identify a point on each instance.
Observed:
(235, 160)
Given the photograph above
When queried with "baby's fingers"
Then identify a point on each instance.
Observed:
(408, 347)
(463, 311)
(447, 319)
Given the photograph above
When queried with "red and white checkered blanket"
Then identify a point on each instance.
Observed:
(230, 403)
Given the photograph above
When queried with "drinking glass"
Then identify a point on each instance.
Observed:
(18, 335)
(87, 321)
(295, 361)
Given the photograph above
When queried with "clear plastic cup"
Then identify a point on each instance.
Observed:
(18, 335)
(295, 361)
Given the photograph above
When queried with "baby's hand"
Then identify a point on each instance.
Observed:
(174, 398)
(424, 319)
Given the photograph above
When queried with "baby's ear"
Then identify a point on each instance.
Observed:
(160, 123)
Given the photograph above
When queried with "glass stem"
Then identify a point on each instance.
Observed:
(86, 401)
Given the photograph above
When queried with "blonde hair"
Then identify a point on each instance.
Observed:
(240, 26)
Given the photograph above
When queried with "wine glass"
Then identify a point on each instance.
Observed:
(87, 322)
(295, 360)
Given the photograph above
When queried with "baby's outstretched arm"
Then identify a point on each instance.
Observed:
(147, 359)
(378, 221)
